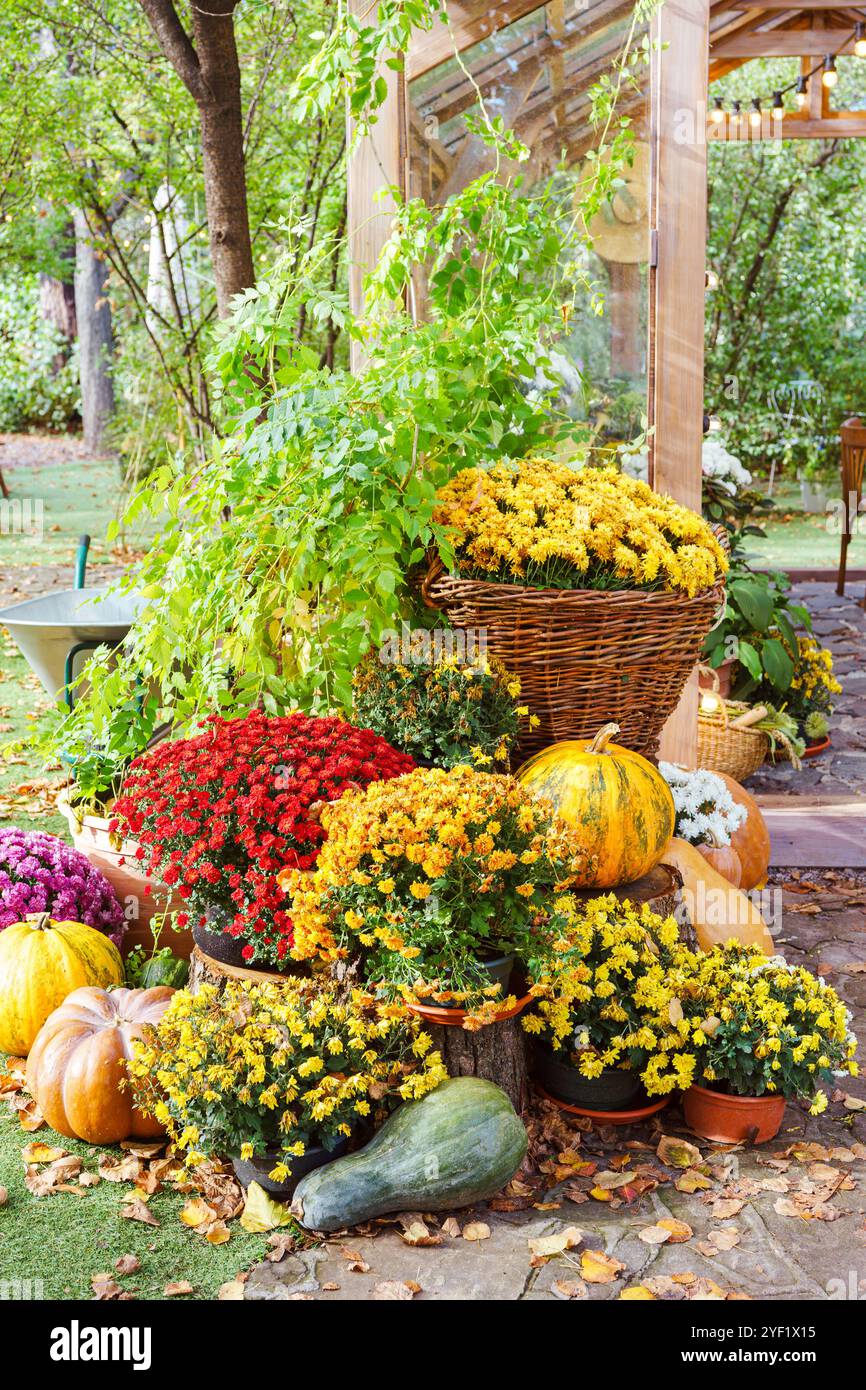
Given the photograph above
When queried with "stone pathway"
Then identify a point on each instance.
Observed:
(744, 1242)
(840, 624)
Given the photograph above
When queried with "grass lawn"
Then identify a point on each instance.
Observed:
(797, 540)
(63, 1239)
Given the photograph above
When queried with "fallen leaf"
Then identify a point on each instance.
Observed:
(178, 1288)
(568, 1288)
(88, 1179)
(37, 1152)
(726, 1207)
(42, 1181)
(120, 1169)
(654, 1235)
(137, 1210)
(416, 1232)
(692, 1181)
(127, 1264)
(476, 1230)
(678, 1153)
(637, 1293)
(451, 1227)
(4, 1196)
(261, 1212)
(231, 1292)
(330, 1287)
(545, 1247)
(197, 1212)
(105, 1288)
(401, 1289)
(280, 1243)
(218, 1233)
(680, 1231)
(599, 1268)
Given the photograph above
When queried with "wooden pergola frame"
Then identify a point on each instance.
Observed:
(686, 33)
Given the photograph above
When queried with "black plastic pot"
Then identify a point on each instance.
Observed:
(615, 1089)
(249, 1170)
(220, 945)
(499, 969)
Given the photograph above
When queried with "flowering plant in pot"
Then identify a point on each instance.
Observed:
(221, 813)
(589, 585)
(40, 873)
(813, 687)
(603, 1037)
(708, 816)
(445, 712)
(278, 1075)
(762, 1032)
(441, 881)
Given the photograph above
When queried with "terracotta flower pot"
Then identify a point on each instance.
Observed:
(116, 859)
(731, 1119)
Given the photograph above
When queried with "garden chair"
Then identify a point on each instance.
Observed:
(853, 436)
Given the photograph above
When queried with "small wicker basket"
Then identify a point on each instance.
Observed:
(725, 741)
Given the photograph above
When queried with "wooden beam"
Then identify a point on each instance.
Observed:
(556, 63)
(677, 287)
(785, 5)
(784, 43)
(469, 24)
(840, 125)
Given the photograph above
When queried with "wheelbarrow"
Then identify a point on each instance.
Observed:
(54, 632)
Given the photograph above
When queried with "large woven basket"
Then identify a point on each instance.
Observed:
(722, 748)
(585, 657)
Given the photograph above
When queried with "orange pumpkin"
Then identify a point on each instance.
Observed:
(725, 860)
(752, 840)
(618, 804)
(79, 1059)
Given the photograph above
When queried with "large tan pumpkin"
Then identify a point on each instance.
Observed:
(752, 841)
(79, 1059)
(619, 805)
(41, 962)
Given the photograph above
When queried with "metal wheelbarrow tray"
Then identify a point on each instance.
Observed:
(54, 631)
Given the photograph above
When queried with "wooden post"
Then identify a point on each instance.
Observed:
(378, 162)
(677, 283)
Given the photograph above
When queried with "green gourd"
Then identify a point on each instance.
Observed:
(457, 1145)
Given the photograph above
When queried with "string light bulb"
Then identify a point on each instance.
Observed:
(736, 110)
(830, 76)
(778, 106)
(802, 93)
(717, 115)
(860, 39)
(755, 113)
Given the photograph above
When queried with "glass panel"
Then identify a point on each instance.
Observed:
(536, 73)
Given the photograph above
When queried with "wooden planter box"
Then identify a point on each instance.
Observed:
(90, 835)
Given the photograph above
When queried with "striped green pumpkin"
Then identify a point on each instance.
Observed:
(618, 804)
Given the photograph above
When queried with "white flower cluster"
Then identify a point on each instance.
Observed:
(706, 812)
(722, 466)
(635, 463)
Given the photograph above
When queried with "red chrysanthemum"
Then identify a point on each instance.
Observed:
(220, 814)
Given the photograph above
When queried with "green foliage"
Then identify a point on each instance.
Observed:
(759, 631)
(38, 372)
(159, 966)
(788, 244)
(457, 709)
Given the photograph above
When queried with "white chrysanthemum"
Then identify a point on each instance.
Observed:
(719, 464)
(706, 811)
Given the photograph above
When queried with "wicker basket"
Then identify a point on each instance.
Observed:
(724, 748)
(585, 657)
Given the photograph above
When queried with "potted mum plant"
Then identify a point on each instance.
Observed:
(601, 1027)
(707, 816)
(278, 1076)
(443, 712)
(218, 816)
(762, 1032)
(442, 881)
(595, 591)
(40, 873)
(813, 686)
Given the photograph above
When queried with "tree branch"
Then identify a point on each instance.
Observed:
(175, 44)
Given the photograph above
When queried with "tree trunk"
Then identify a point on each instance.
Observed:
(496, 1052)
(95, 336)
(222, 142)
(209, 68)
(57, 296)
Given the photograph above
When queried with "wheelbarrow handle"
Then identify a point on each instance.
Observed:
(81, 560)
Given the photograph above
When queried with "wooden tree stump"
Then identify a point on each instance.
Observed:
(660, 890)
(204, 970)
(496, 1052)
